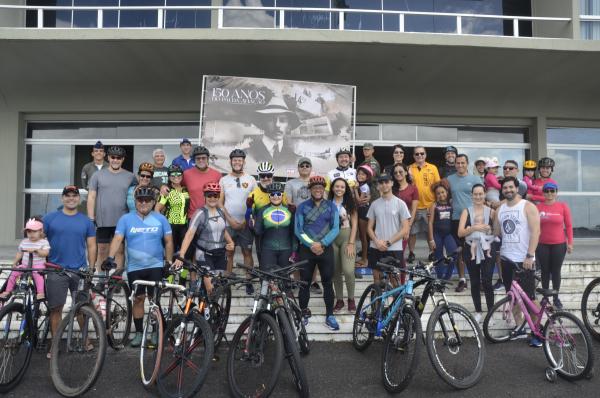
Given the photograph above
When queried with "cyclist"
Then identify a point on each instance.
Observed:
(545, 169)
(195, 178)
(98, 163)
(343, 169)
(316, 226)
(296, 189)
(448, 168)
(144, 178)
(186, 159)
(235, 188)
(149, 241)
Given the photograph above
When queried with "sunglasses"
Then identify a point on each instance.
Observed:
(549, 190)
(509, 168)
(175, 175)
(276, 194)
(398, 173)
(304, 166)
(266, 175)
(212, 195)
(419, 153)
(398, 152)
(237, 182)
(144, 200)
(116, 157)
(145, 175)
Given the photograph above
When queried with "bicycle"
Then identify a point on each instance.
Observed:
(24, 325)
(257, 348)
(590, 308)
(567, 343)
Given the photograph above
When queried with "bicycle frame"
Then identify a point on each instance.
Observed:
(527, 307)
(401, 292)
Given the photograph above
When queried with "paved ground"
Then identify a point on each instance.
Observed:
(337, 370)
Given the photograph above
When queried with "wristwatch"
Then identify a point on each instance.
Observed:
(388, 243)
(530, 256)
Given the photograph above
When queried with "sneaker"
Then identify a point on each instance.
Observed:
(411, 257)
(519, 335)
(499, 285)
(357, 274)
(351, 306)
(249, 289)
(535, 342)
(305, 315)
(331, 323)
(137, 340)
(462, 285)
(478, 317)
(557, 304)
(315, 288)
(339, 304)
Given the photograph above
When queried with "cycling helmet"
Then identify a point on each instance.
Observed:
(529, 165)
(367, 169)
(546, 162)
(450, 148)
(145, 192)
(343, 151)
(237, 153)
(275, 187)
(316, 180)
(212, 187)
(146, 167)
(265, 167)
(200, 150)
(175, 169)
(116, 151)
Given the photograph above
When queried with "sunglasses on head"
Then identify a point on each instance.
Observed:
(145, 175)
(211, 195)
(549, 190)
(116, 157)
(266, 175)
(277, 194)
(144, 200)
(509, 168)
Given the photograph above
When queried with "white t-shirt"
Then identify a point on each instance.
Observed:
(388, 215)
(235, 191)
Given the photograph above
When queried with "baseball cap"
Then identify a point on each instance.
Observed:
(304, 160)
(384, 177)
(478, 161)
(368, 145)
(185, 141)
(491, 164)
(98, 145)
(70, 189)
(34, 225)
(550, 185)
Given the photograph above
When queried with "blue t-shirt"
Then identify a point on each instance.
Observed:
(68, 238)
(183, 163)
(461, 187)
(144, 238)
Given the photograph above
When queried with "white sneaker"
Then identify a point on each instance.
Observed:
(478, 317)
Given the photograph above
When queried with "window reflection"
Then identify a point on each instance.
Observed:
(48, 166)
(566, 171)
(574, 136)
(107, 131)
(585, 211)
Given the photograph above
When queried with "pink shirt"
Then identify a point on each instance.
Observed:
(194, 180)
(554, 220)
(539, 182)
(491, 181)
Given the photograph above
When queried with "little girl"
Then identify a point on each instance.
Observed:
(492, 185)
(38, 246)
(533, 190)
(440, 228)
(364, 196)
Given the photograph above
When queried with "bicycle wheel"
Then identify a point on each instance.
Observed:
(186, 357)
(365, 318)
(590, 308)
(500, 325)
(455, 345)
(151, 347)
(254, 358)
(16, 333)
(118, 315)
(293, 354)
(303, 341)
(42, 328)
(219, 313)
(401, 349)
(568, 346)
(78, 352)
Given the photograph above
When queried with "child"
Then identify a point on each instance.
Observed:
(533, 190)
(440, 228)
(480, 241)
(364, 196)
(492, 185)
(38, 246)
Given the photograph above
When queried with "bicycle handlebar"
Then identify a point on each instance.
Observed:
(275, 274)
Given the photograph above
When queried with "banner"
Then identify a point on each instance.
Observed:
(278, 121)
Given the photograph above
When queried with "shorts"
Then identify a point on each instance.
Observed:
(242, 237)
(148, 274)
(459, 241)
(57, 285)
(215, 262)
(375, 255)
(421, 223)
(105, 234)
(362, 212)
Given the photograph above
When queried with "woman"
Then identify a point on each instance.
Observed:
(555, 223)
(545, 169)
(175, 205)
(481, 269)
(404, 189)
(440, 228)
(144, 177)
(398, 156)
(344, 244)
(364, 195)
(274, 225)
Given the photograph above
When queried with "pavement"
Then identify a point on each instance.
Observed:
(337, 370)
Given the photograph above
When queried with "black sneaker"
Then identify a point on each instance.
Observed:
(499, 285)
(315, 288)
(249, 289)
(557, 304)
(462, 285)
(411, 257)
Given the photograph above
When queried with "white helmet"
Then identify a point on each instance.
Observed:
(265, 167)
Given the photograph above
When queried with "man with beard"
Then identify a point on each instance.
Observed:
(343, 169)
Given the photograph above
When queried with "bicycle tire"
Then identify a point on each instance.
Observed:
(461, 372)
(569, 342)
(592, 324)
(42, 325)
(14, 342)
(196, 344)
(66, 365)
(150, 353)
(264, 336)
(293, 353)
(499, 324)
(118, 312)
(403, 333)
(219, 314)
(367, 319)
(303, 341)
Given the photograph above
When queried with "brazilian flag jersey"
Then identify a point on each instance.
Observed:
(275, 226)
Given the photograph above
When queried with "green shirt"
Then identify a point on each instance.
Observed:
(176, 203)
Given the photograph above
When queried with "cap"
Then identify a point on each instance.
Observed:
(98, 145)
(491, 164)
(550, 185)
(185, 141)
(368, 145)
(70, 189)
(478, 161)
(34, 225)
(304, 160)
(367, 167)
(384, 177)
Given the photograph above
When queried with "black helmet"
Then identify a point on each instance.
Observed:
(116, 151)
(145, 192)
(175, 169)
(200, 150)
(546, 162)
(237, 153)
(343, 151)
(450, 148)
(275, 187)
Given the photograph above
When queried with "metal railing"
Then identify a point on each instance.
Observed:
(278, 15)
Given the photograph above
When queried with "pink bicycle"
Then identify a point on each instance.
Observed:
(567, 343)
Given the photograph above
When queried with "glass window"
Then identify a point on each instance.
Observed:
(188, 18)
(48, 166)
(583, 136)
(307, 20)
(495, 134)
(367, 132)
(399, 132)
(361, 21)
(585, 211)
(590, 171)
(40, 204)
(249, 19)
(106, 131)
(566, 172)
(435, 133)
(139, 18)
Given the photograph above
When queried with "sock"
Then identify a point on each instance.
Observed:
(139, 324)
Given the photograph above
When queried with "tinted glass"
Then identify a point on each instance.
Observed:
(590, 171)
(585, 211)
(185, 18)
(367, 132)
(566, 172)
(48, 166)
(104, 131)
(574, 136)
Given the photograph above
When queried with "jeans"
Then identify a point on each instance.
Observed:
(444, 242)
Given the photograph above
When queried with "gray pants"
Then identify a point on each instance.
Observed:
(344, 266)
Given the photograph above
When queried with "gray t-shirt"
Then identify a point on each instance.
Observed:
(461, 187)
(388, 215)
(111, 195)
(297, 191)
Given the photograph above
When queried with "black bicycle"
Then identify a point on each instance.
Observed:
(590, 308)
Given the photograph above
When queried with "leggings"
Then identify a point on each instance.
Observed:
(38, 279)
(274, 259)
(344, 266)
(442, 242)
(326, 266)
(550, 258)
(480, 274)
(179, 231)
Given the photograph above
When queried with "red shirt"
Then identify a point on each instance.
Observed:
(554, 220)
(408, 194)
(194, 180)
(539, 182)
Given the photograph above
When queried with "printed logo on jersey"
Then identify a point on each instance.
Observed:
(511, 227)
(277, 217)
(143, 230)
(244, 185)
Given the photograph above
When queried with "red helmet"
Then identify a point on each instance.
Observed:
(212, 187)
(316, 180)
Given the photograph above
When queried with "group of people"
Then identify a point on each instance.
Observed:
(190, 209)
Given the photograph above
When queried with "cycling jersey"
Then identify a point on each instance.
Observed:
(274, 225)
(176, 204)
(348, 174)
(259, 198)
